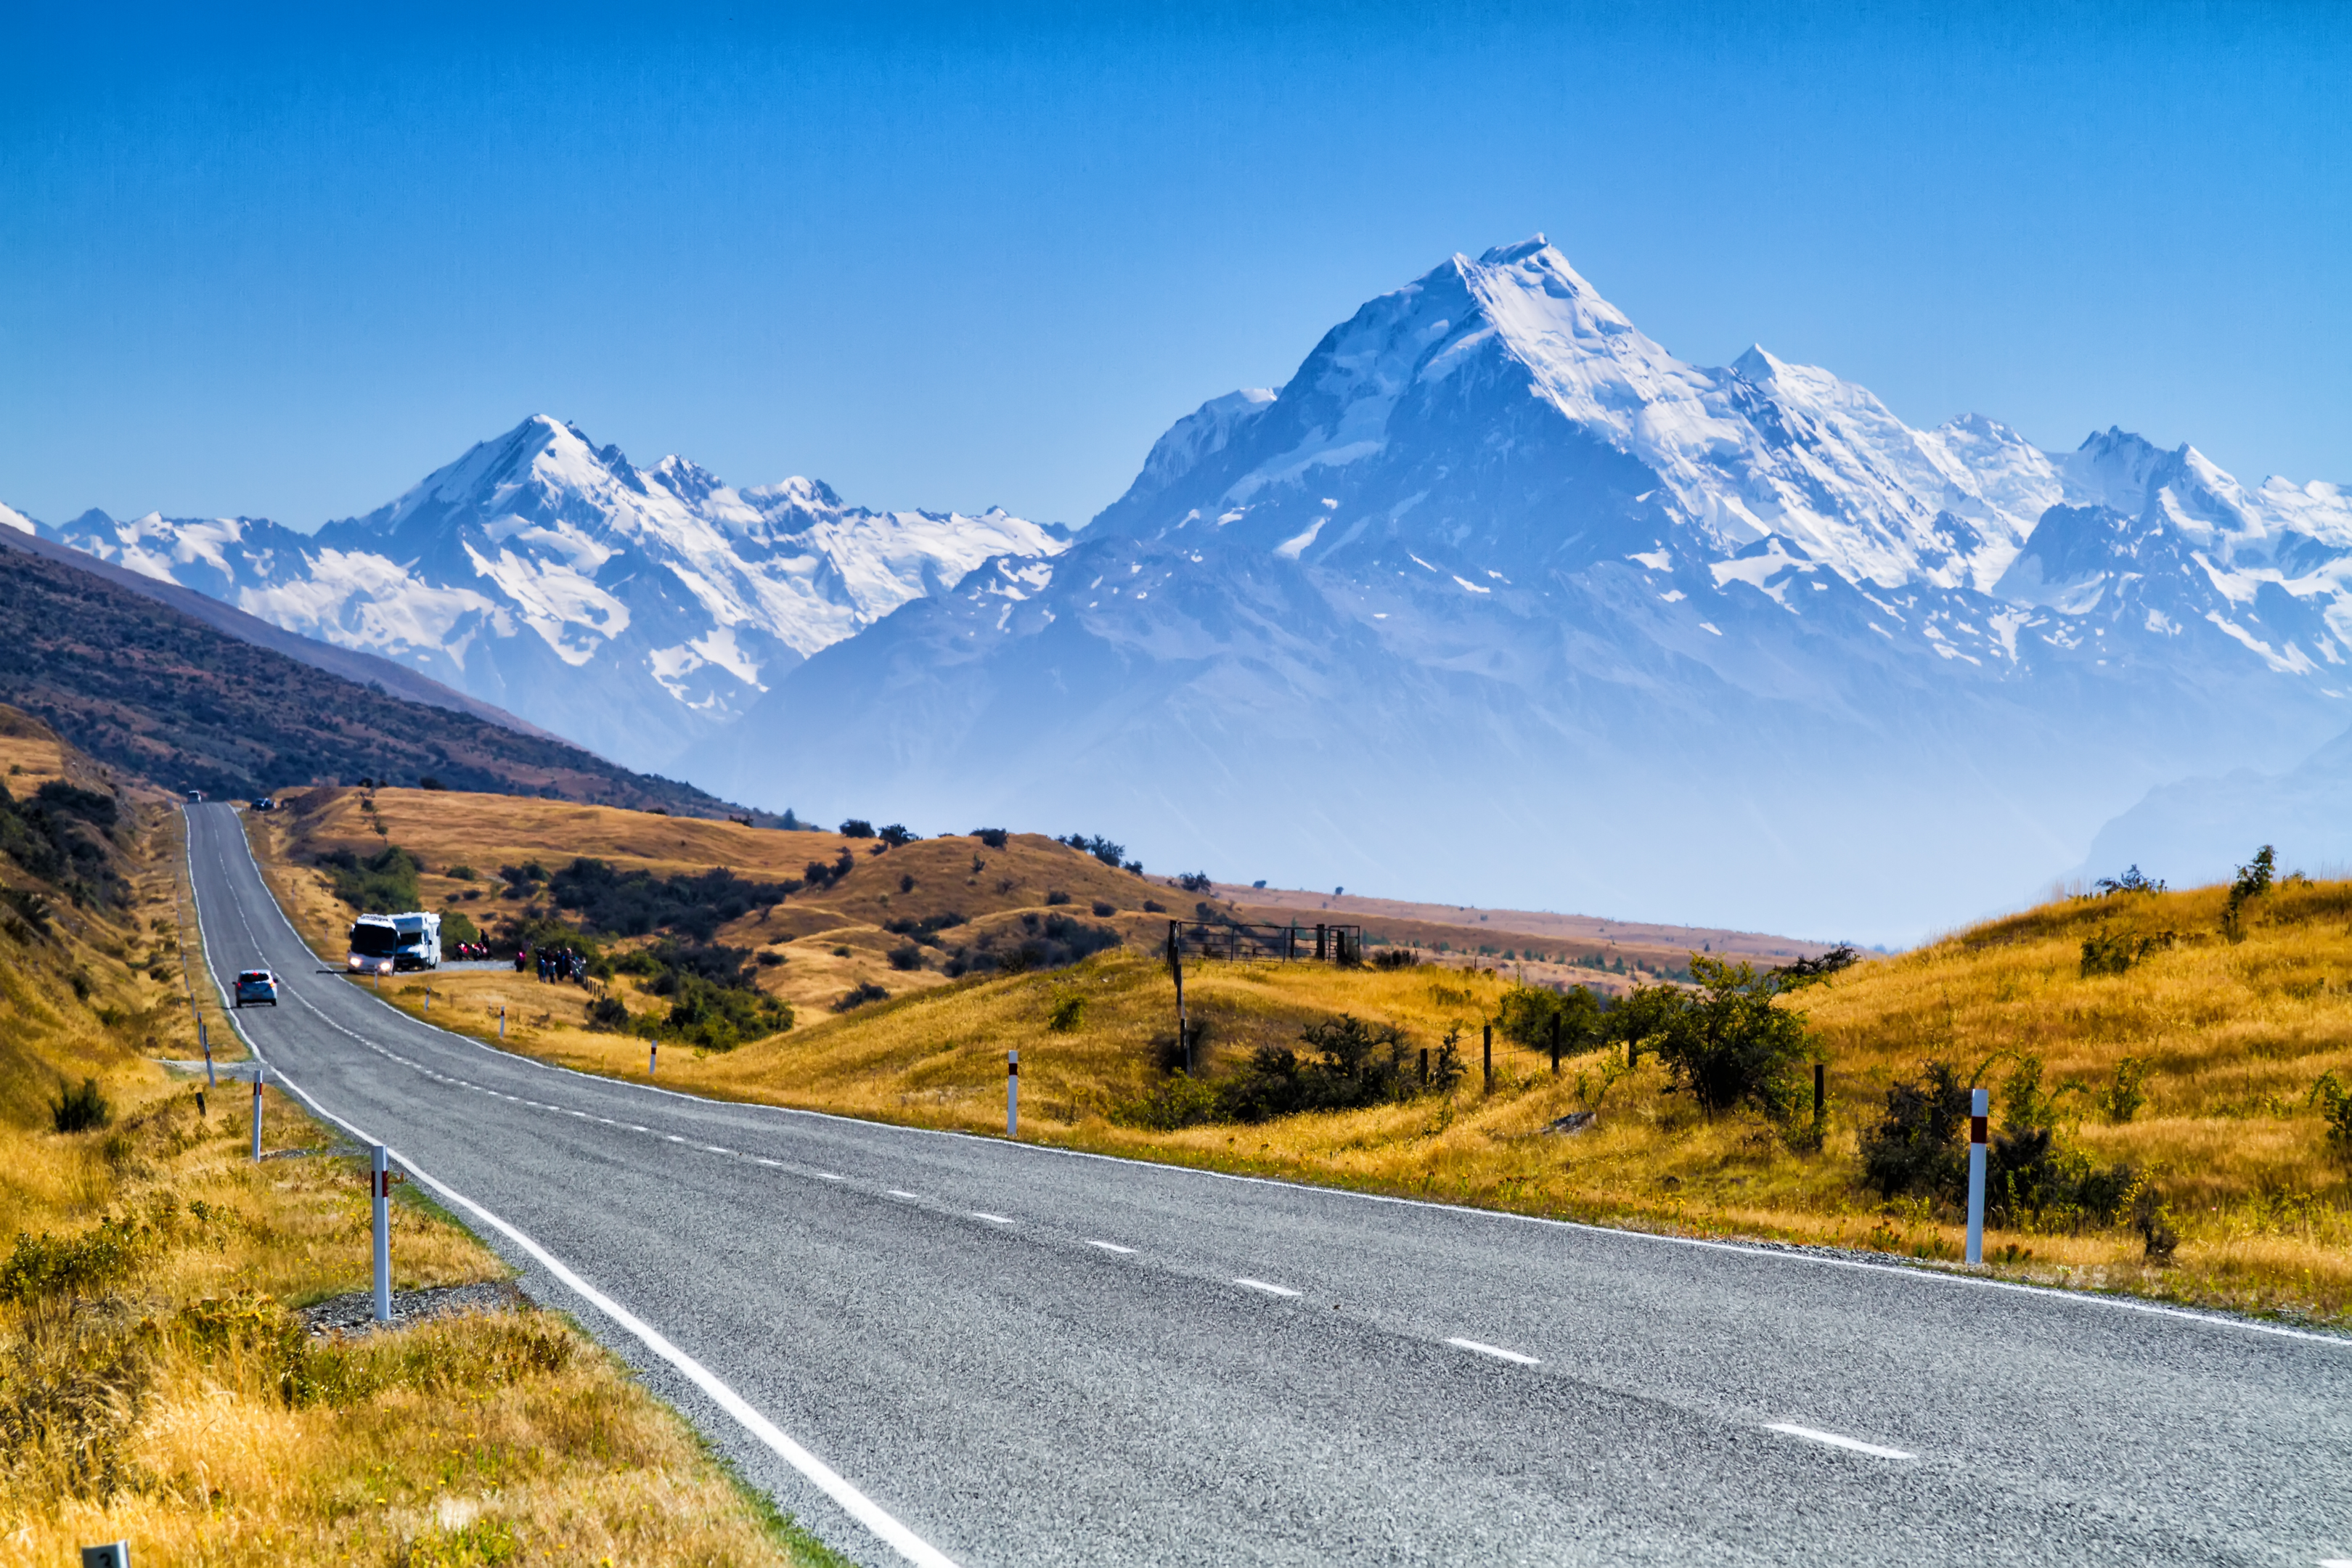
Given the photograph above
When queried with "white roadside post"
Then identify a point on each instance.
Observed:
(202, 1040)
(1980, 1107)
(502, 1020)
(1013, 1094)
(380, 1183)
(653, 1057)
(258, 1073)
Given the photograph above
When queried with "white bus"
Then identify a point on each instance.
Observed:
(384, 944)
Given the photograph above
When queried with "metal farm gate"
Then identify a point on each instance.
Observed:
(1231, 940)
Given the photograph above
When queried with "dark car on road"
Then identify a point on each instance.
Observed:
(256, 986)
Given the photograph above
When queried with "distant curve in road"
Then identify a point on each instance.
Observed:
(934, 1347)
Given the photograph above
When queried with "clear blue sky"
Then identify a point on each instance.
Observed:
(286, 264)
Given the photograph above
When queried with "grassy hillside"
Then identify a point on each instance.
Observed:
(149, 691)
(2184, 1082)
(155, 1383)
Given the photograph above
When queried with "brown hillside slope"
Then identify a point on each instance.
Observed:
(2226, 1040)
(145, 690)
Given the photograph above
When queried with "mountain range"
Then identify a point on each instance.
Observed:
(631, 610)
(1494, 597)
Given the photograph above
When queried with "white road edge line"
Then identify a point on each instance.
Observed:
(1760, 1252)
(868, 1512)
(1111, 1246)
(1249, 1284)
(1498, 1352)
(1836, 1441)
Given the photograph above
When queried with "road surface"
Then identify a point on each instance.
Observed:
(938, 1348)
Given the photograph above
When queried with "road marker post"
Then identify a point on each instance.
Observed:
(1979, 1110)
(1821, 1096)
(1490, 1059)
(502, 1021)
(428, 998)
(1555, 1045)
(1013, 1094)
(113, 1554)
(653, 1057)
(380, 1200)
(258, 1073)
(210, 1080)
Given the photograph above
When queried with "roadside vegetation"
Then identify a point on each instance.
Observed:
(2171, 1071)
(158, 1380)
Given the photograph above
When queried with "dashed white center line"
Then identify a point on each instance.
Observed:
(1111, 1246)
(895, 1193)
(1498, 1352)
(991, 1219)
(1249, 1284)
(672, 1137)
(763, 1160)
(715, 1148)
(829, 1176)
(1836, 1441)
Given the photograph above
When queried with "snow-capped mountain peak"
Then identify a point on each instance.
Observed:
(627, 608)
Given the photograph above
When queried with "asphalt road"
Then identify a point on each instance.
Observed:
(945, 1348)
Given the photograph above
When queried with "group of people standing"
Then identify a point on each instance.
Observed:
(555, 964)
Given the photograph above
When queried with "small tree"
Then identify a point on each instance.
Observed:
(2254, 880)
(857, 828)
(1725, 1043)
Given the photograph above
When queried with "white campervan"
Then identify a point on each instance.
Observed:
(384, 944)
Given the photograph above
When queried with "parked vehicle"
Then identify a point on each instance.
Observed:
(381, 945)
(266, 802)
(195, 797)
(256, 986)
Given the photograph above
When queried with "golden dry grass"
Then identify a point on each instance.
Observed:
(129, 1412)
(2233, 1034)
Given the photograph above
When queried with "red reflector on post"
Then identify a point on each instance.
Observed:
(1976, 1129)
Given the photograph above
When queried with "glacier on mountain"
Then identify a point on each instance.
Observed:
(631, 610)
(1498, 598)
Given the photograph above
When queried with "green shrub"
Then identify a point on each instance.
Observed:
(2107, 954)
(1530, 1014)
(1070, 1013)
(994, 838)
(1915, 1149)
(858, 995)
(80, 1110)
(1175, 1102)
(379, 884)
(607, 1012)
(1353, 1065)
(1805, 971)
(905, 955)
(2335, 1103)
(2254, 879)
(2122, 1099)
(1726, 1044)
